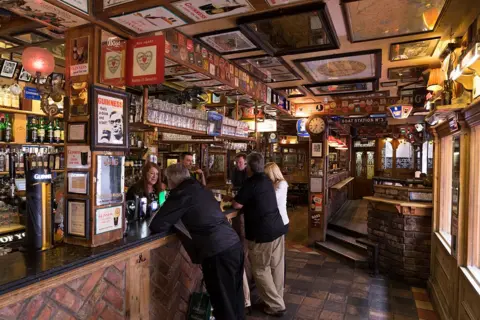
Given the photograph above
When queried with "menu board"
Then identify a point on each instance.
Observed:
(110, 179)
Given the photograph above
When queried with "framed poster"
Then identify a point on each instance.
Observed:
(78, 100)
(227, 41)
(31, 37)
(146, 60)
(402, 73)
(113, 3)
(362, 65)
(77, 132)
(77, 182)
(149, 20)
(108, 219)
(8, 69)
(202, 10)
(413, 49)
(79, 56)
(110, 179)
(317, 149)
(78, 157)
(112, 60)
(109, 119)
(341, 88)
(80, 5)
(77, 218)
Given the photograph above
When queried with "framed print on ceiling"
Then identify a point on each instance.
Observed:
(291, 30)
(31, 37)
(267, 68)
(202, 10)
(341, 87)
(109, 119)
(413, 49)
(398, 18)
(402, 73)
(227, 41)
(291, 92)
(361, 65)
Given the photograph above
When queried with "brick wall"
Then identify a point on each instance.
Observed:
(99, 295)
(404, 243)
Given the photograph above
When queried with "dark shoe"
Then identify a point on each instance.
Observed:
(270, 312)
(248, 311)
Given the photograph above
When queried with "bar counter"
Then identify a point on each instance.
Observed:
(142, 276)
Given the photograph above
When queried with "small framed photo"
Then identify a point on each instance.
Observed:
(8, 69)
(24, 76)
(57, 77)
(77, 132)
(317, 149)
(77, 218)
(78, 182)
(413, 49)
(110, 119)
(227, 41)
(333, 157)
(387, 84)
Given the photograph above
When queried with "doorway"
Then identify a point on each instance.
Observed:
(364, 155)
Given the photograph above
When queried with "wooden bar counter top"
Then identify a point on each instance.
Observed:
(142, 276)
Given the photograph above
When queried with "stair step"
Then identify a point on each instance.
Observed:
(342, 229)
(357, 259)
(340, 237)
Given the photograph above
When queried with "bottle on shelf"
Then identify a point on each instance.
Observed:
(7, 97)
(49, 131)
(62, 132)
(56, 132)
(8, 129)
(41, 130)
(2, 129)
(2, 160)
(32, 127)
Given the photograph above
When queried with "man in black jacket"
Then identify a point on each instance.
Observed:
(209, 241)
(265, 232)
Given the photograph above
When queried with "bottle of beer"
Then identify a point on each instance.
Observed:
(2, 129)
(8, 129)
(41, 131)
(49, 131)
(56, 132)
(62, 133)
(33, 133)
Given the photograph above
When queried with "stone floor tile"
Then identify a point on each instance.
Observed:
(293, 298)
(358, 302)
(421, 296)
(335, 297)
(318, 294)
(357, 311)
(330, 315)
(401, 293)
(427, 315)
(308, 313)
(380, 315)
(419, 290)
(313, 302)
(335, 306)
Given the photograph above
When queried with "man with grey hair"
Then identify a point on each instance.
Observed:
(265, 232)
(209, 240)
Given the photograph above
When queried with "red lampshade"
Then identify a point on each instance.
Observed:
(36, 59)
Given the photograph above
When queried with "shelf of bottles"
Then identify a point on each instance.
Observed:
(46, 157)
(40, 130)
(133, 170)
(8, 99)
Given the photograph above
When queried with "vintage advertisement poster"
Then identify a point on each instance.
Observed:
(76, 219)
(47, 14)
(110, 126)
(108, 219)
(110, 179)
(149, 20)
(79, 57)
(316, 209)
(201, 10)
(78, 157)
(113, 3)
(81, 5)
(146, 60)
(112, 63)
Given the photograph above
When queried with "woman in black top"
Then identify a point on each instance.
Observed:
(149, 186)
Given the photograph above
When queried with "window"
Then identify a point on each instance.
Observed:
(404, 155)
(474, 203)
(446, 157)
(427, 156)
(387, 155)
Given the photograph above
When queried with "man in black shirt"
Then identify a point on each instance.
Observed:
(239, 172)
(265, 232)
(209, 240)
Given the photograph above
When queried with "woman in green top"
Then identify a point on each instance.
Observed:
(149, 186)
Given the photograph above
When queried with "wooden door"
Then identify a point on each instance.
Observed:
(364, 170)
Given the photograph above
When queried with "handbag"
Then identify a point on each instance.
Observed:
(200, 307)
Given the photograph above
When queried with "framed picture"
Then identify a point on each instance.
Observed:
(387, 84)
(31, 37)
(108, 219)
(6, 56)
(361, 65)
(149, 20)
(413, 49)
(77, 218)
(341, 88)
(291, 92)
(317, 149)
(202, 10)
(178, 70)
(24, 76)
(267, 69)
(310, 28)
(77, 182)
(57, 77)
(333, 157)
(78, 157)
(8, 69)
(399, 18)
(54, 33)
(227, 41)
(193, 77)
(109, 119)
(110, 180)
(403, 73)
(17, 57)
(78, 100)
(80, 5)
(207, 83)
(77, 132)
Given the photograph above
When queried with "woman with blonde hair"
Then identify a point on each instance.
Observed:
(281, 188)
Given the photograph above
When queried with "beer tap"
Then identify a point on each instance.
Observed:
(11, 170)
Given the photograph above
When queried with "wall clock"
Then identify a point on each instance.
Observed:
(315, 125)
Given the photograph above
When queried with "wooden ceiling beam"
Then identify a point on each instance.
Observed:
(17, 25)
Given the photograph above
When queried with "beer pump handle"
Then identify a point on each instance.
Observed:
(11, 171)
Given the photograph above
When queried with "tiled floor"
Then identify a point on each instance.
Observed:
(319, 286)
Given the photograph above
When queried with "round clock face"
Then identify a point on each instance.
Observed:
(273, 136)
(316, 125)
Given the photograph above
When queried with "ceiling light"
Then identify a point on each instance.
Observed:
(435, 80)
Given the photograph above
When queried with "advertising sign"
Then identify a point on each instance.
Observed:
(78, 157)
(108, 219)
(110, 179)
(79, 57)
(364, 121)
(201, 10)
(301, 128)
(112, 64)
(149, 20)
(146, 60)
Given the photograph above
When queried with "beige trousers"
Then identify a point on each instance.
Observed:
(268, 266)
(246, 290)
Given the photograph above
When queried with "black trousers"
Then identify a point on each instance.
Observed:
(223, 275)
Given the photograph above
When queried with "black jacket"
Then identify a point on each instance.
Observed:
(238, 177)
(197, 208)
(263, 222)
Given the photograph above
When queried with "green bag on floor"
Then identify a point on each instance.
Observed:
(200, 307)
